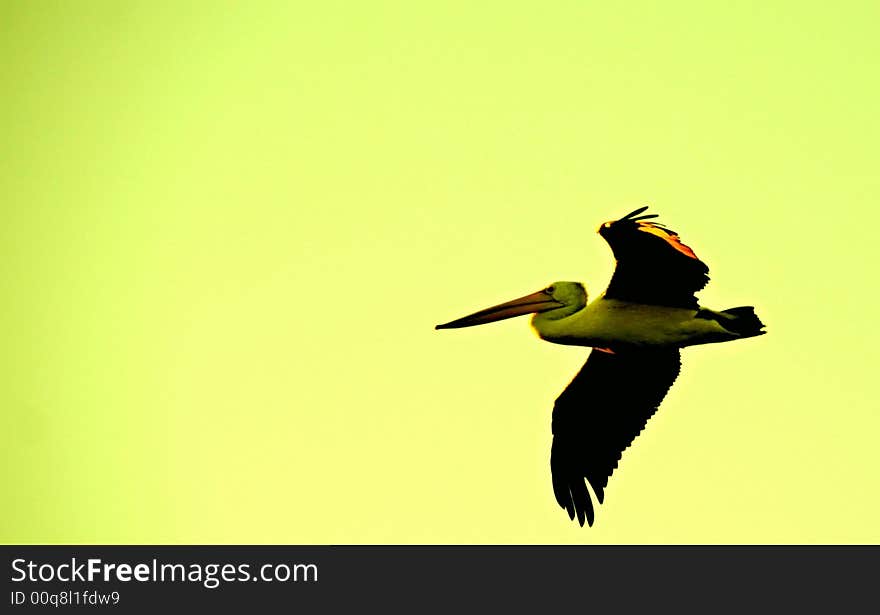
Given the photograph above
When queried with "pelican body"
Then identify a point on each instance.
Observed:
(636, 327)
(610, 323)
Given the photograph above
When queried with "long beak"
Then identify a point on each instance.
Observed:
(536, 302)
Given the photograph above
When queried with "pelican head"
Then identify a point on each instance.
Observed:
(558, 300)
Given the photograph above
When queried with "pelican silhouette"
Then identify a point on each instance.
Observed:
(636, 329)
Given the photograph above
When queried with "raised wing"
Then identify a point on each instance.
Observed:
(653, 265)
(599, 415)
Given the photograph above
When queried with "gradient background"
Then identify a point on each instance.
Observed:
(229, 228)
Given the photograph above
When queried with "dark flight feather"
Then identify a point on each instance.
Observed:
(599, 415)
(653, 265)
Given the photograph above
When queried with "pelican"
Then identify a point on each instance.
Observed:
(636, 329)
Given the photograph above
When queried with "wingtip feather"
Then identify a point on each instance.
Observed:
(636, 212)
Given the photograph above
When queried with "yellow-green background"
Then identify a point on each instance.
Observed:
(228, 229)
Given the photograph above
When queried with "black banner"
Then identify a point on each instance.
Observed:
(130, 579)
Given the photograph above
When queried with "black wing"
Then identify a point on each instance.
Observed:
(599, 415)
(653, 266)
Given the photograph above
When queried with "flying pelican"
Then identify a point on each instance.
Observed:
(636, 328)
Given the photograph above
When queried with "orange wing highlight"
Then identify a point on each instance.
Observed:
(669, 237)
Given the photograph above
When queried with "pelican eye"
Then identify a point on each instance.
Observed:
(550, 290)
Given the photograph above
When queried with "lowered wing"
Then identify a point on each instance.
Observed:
(599, 415)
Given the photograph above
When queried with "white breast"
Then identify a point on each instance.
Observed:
(611, 323)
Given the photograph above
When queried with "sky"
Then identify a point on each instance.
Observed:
(230, 228)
